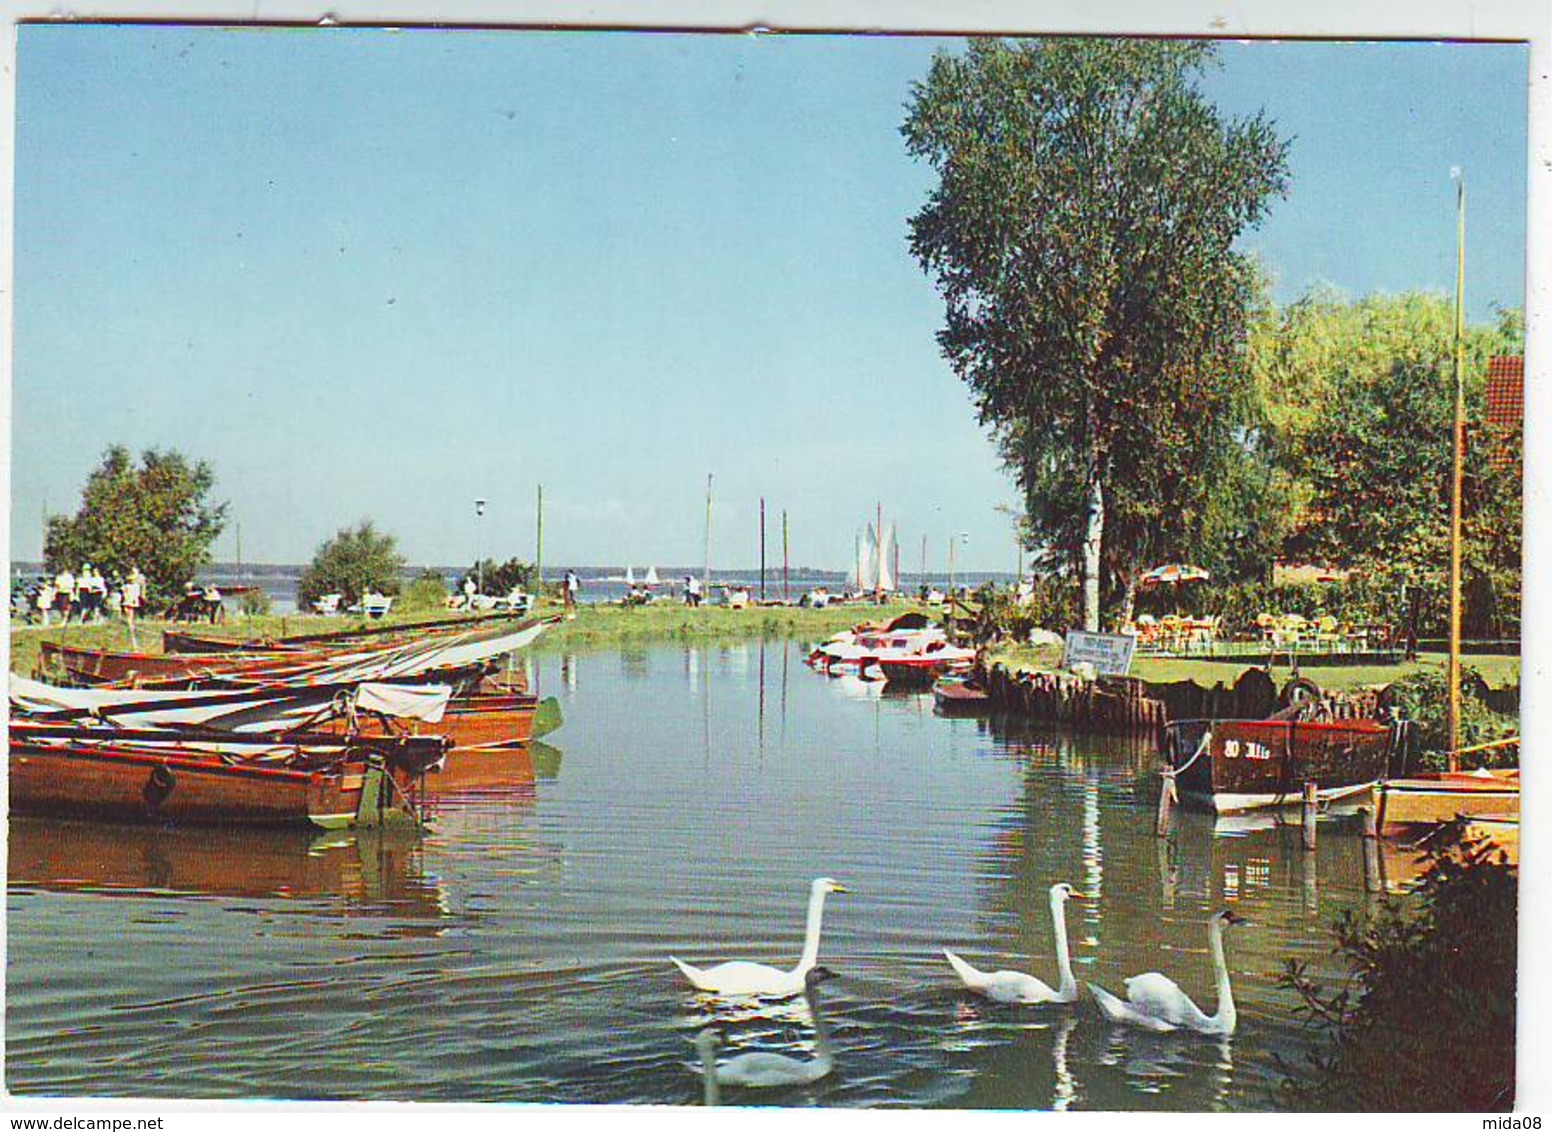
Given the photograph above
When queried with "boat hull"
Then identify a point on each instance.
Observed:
(1264, 763)
(99, 782)
(1409, 805)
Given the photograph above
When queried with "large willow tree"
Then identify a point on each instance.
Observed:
(1082, 237)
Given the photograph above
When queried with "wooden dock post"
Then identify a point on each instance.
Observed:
(1311, 809)
(1167, 800)
(1373, 879)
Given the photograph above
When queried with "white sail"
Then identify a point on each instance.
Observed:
(867, 561)
(630, 576)
(888, 551)
(652, 579)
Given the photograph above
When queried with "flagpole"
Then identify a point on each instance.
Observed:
(1458, 469)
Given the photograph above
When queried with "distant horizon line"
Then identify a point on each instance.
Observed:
(666, 573)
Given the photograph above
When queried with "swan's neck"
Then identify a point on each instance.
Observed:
(1069, 984)
(810, 957)
(1225, 1016)
(822, 1053)
(713, 1094)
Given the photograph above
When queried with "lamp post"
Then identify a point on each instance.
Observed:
(479, 565)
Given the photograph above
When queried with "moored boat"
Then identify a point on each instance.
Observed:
(1244, 764)
(1410, 806)
(960, 693)
(169, 778)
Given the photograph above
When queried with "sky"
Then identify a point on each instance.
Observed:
(374, 274)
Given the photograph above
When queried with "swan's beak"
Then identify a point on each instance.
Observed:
(839, 888)
(1079, 896)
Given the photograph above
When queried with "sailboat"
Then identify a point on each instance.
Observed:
(651, 578)
(875, 556)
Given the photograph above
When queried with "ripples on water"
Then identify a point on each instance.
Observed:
(518, 953)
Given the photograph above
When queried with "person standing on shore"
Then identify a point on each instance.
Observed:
(569, 593)
(132, 594)
(64, 593)
(46, 594)
(692, 590)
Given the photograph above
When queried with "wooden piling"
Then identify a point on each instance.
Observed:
(1373, 879)
(1311, 809)
(1167, 799)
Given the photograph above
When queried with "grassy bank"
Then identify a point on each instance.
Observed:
(1498, 671)
(594, 625)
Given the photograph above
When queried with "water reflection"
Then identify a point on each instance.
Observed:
(366, 871)
(699, 796)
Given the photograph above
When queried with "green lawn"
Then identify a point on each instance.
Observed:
(1498, 671)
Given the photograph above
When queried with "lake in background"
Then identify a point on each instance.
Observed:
(519, 951)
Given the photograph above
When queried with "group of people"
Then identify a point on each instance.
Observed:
(84, 595)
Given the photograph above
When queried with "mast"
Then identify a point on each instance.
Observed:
(706, 566)
(762, 550)
(539, 543)
(1459, 459)
(786, 594)
(878, 576)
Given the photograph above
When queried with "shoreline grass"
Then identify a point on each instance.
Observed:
(595, 626)
(601, 626)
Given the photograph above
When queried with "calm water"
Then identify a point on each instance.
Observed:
(518, 952)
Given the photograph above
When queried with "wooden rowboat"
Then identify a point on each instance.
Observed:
(1408, 806)
(181, 777)
(960, 694)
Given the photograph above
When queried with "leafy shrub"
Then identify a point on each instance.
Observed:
(1426, 1022)
(427, 592)
(254, 603)
(355, 560)
(1053, 605)
(1423, 698)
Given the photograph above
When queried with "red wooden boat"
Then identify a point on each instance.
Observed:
(960, 694)
(189, 777)
(143, 669)
(1244, 764)
(185, 641)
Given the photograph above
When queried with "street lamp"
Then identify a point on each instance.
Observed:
(479, 565)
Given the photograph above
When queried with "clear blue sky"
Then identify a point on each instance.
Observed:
(381, 274)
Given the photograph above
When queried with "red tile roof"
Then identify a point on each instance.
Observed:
(1505, 392)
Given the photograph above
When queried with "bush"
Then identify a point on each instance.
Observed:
(254, 603)
(1053, 605)
(1423, 698)
(355, 560)
(501, 580)
(1427, 1021)
(426, 592)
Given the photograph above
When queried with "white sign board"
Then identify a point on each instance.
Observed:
(1109, 653)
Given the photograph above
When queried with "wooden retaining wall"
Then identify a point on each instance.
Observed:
(1130, 705)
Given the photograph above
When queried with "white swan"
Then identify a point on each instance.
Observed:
(1015, 986)
(762, 1070)
(743, 977)
(1154, 1002)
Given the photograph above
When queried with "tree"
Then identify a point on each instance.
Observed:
(155, 516)
(355, 560)
(500, 580)
(1081, 236)
(1359, 400)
